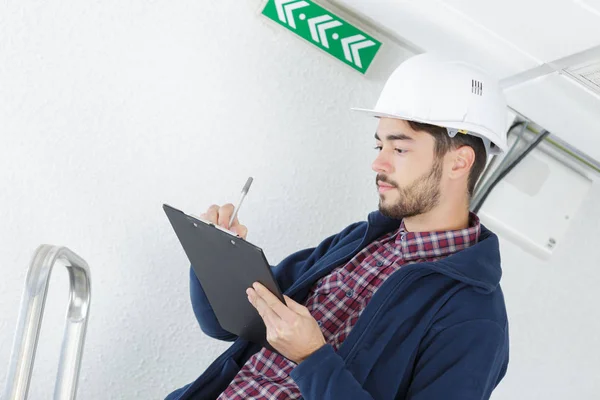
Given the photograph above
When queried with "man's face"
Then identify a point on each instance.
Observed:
(408, 172)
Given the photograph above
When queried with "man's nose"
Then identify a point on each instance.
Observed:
(382, 162)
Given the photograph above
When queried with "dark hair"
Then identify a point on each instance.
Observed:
(445, 143)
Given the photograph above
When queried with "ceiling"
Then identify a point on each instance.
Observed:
(534, 47)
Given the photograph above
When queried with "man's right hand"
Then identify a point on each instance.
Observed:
(221, 216)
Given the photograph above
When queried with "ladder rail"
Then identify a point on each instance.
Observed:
(30, 320)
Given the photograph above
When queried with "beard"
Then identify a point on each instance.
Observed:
(417, 198)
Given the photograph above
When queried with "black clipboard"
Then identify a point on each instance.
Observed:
(226, 265)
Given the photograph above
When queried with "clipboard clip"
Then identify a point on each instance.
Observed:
(215, 226)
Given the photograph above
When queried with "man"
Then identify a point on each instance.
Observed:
(406, 305)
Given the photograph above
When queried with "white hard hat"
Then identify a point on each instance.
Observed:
(452, 94)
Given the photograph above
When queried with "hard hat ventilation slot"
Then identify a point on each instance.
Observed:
(476, 87)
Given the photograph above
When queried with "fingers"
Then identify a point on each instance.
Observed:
(225, 213)
(295, 306)
(271, 301)
(241, 230)
(264, 310)
(212, 213)
(220, 215)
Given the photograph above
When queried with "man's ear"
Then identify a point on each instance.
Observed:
(462, 161)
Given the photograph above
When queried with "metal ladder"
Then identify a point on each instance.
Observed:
(30, 321)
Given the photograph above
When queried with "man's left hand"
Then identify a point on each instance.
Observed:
(291, 329)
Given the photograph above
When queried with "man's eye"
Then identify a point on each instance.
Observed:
(399, 151)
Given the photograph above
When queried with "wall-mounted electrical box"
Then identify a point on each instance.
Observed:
(535, 203)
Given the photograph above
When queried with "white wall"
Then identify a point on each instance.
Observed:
(109, 109)
(553, 314)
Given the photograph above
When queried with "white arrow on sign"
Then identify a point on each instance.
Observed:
(318, 26)
(352, 45)
(285, 10)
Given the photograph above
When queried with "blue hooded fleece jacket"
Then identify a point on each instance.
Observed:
(433, 330)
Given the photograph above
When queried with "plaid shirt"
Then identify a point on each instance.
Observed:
(337, 300)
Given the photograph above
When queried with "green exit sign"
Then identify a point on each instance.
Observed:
(325, 30)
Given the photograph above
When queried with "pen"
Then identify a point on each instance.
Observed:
(244, 193)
